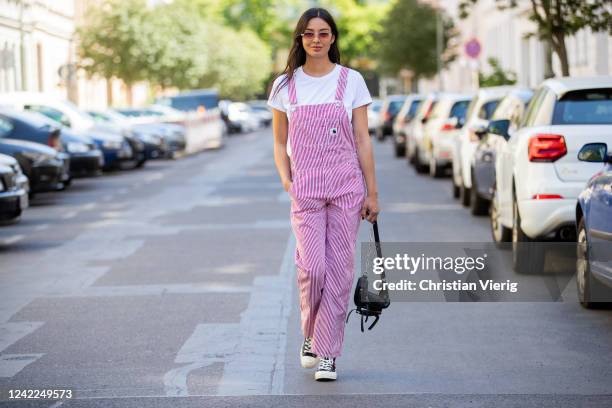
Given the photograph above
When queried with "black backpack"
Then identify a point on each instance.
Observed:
(369, 303)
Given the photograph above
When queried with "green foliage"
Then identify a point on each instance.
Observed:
(358, 22)
(408, 39)
(115, 42)
(497, 77)
(172, 46)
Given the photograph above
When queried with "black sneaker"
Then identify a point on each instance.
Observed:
(308, 359)
(326, 370)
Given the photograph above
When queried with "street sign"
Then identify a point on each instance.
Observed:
(472, 48)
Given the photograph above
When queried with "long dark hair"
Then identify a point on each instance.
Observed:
(297, 54)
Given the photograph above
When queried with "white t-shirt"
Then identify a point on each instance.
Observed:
(317, 90)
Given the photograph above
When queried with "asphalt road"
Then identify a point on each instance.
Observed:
(173, 286)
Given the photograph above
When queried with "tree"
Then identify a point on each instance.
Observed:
(408, 39)
(358, 22)
(116, 41)
(556, 19)
(497, 77)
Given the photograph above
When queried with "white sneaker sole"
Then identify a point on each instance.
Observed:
(308, 362)
(326, 376)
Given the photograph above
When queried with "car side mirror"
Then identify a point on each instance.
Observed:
(594, 153)
(480, 129)
(460, 123)
(499, 127)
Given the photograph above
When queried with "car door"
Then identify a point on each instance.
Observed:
(600, 223)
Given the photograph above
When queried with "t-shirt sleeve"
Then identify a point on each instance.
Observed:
(275, 100)
(362, 94)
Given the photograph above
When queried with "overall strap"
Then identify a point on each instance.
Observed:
(292, 93)
(341, 83)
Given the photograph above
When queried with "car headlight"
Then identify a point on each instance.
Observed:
(37, 158)
(149, 138)
(111, 144)
(76, 147)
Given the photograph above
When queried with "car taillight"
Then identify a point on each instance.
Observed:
(546, 148)
(546, 197)
(446, 127)
(54, 140)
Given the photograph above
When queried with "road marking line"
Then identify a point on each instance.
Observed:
(11, 364)
(257, 366)
(154, 290)
(69, 215)
(41, 227)
(209, 344)
(13, 239)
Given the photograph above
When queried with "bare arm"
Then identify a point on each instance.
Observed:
(366, 160)
(280, 128)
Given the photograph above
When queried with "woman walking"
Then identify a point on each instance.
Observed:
(323, 153)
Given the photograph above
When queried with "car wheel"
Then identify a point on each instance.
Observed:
(435, 171)
(591, 292)
(464, 195)
(527, 255)
(478, 205)
(499, 232)
(400, 150)
(418, 165)
(456, 191)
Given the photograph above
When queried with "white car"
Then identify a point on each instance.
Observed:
(538, 174)
(441, 129)
(415, 149)
(243, 115)
(374, 115)
(404, 116)
(479, 112)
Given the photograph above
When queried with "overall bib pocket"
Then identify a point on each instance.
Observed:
(319, 132)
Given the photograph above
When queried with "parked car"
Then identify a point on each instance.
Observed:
(537, 173)
(594, 226)
(504, 122)
(13, 195)
(389, 110)
(403, 117)
(44, 166)
(262, 111)
(150, 135)
(374, 115)
(479, 112)
(21, 180)
(441, 129)
(243, 116)
(414, 134)
(85, 158)
(115, 147)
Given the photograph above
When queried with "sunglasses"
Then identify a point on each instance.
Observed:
(310, 35)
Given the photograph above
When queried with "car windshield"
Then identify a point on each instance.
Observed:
(459, 109)
(414, 106)
(395, 106)
(486, 111)
(375, 106)
(593, 106)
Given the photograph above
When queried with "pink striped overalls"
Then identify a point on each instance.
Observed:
(327, 193)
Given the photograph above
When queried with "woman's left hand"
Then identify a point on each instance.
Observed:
(369, 209)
